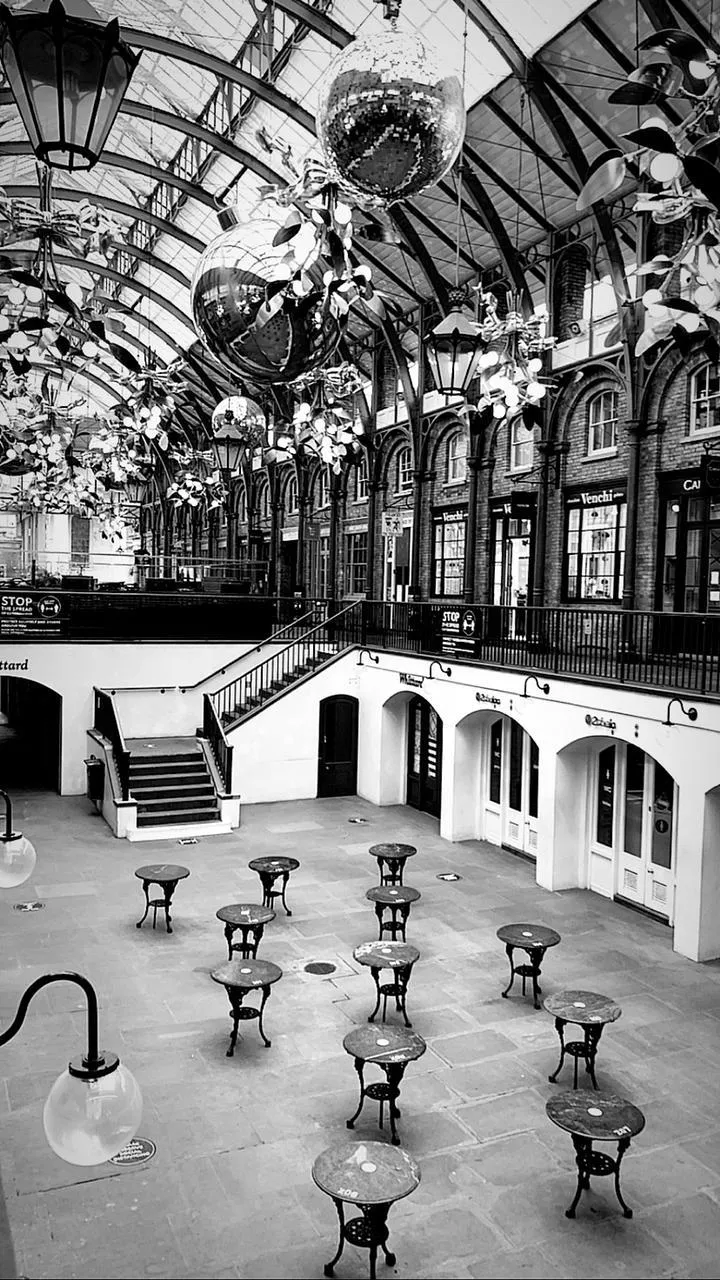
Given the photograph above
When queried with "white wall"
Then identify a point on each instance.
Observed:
(74, 670)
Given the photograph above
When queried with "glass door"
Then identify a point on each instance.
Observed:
(424, 762)
(646, 856)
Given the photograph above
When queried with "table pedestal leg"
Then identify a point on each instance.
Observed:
(168, 891)
(265, 995)
(359, 1067)
(286, 877)
(328, 1268)
(394, 1072)
(592, 1040)
(229, 931)
(623, 1145)
(266, 879)
(147, 904)
(376, 978)
(379, 910)
(583, 1157)
(560, 1028)
(509, 949)
(536, 959)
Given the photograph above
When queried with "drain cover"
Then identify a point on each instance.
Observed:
(320, 966)
(448, 875)
(28, 906)
(187, 840)
(361, 820)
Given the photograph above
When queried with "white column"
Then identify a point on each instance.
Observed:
(562, 802)
(697, 874)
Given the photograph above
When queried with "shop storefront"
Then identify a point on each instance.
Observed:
(594, 545)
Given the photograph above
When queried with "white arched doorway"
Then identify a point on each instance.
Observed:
(627, 823)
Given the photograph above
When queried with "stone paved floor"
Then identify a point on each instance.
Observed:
(229, 1192)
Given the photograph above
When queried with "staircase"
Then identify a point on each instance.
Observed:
(172, 789)
(296, 661)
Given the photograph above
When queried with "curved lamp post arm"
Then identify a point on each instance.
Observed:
(94, 1064)
(9, 833)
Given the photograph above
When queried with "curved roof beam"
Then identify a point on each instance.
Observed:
(505, 247)
(438, 285)
(169, 120)
(117, 161)
(224, 70)
(29, 191)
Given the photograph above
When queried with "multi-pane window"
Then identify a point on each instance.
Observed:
(456, 465)
(362, 480)
(264, 502)
(356, 563)
(449, 554)
(403, 471)
(595, 551)
(602, 422)
(291, 496)
(705, 399)
(521, 445)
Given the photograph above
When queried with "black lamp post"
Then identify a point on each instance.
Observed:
(17, 854)
(454, 348)
(68, 74)
(94, 1108)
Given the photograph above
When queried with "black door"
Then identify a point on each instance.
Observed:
(337, 758)
(30, 735)
(424, 765)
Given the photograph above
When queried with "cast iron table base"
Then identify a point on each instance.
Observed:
(268, 870)
(239, 978)
(535, 940)
(397, 899)
(250, 920)
(393, 857)
(166, 875)
(589, 1011)
(398, 956)
(390, 1050)
(596, 1117)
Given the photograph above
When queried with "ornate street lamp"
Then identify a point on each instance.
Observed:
(238, 423)
(94, 1108)
(17, 854)
(454, 347)
(68, 74)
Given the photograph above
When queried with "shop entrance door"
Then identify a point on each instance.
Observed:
(519, 789)
(424, 764)
(396, 572)
(337, 754)
(646, 854)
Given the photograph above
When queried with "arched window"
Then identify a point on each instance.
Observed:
(456, 458)
(521, 445)
(264, 501)
(602, 422)
(362, 479)
(705, 400)
(403, 470)
(291, 496)
(241, 505)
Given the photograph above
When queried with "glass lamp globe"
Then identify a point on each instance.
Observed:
(17, 860)
(88, 1121)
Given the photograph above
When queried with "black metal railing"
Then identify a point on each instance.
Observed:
(660, 650)
(249, 690)
(105, 721)
(218, 743)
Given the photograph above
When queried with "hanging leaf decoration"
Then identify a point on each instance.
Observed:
(652, 136)
(607, 177)
(704, 176)
(679, 44)
(124, 357)
(289, 230)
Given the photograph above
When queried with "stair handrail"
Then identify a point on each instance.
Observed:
(106, 722)
(220, 696)
(219, 745)
(296, 622)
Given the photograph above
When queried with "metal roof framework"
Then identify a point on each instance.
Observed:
(222, 104)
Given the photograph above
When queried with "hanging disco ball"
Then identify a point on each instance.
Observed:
(390, 120)
(228, 289)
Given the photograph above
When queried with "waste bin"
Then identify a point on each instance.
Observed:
(95, 779)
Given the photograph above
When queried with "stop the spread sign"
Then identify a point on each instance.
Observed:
(25, 614)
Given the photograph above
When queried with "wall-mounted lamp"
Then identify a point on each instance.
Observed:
(374, 657)
(447, 671)
(94, 1108)
(17, 854)
(690, 712)
(544, 688)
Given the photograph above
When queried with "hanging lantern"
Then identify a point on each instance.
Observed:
(246, 313)
(454, 348)
(390, 119)
(68, 74)
(238, 423)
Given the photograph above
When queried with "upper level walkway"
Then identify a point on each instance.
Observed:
(669, 652)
